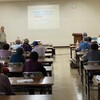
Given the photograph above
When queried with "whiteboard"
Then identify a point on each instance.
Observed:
(43, 17)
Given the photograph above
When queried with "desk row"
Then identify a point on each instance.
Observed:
(32, 85)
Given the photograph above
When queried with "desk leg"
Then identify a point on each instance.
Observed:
(50, 73)
(88, 86)
(81, 67)
(49, 89)
(70, 52)
(85, 82)
(98, 91)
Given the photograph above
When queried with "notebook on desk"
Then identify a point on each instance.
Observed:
(24, 80)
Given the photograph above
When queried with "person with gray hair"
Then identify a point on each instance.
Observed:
(26, 46)
(84, 35)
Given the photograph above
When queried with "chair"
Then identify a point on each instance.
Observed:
(93, 62)
(36, 76)
(92, 73)
(2, 93)
(32, 74)
(16, 69)
(15, 64)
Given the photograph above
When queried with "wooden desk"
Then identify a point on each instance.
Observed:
(81, 53)
(82, 63)
(48, 51)
(27, 97)
(47, 45)
(49, 70)
(15, 69)
(46, 60)
(18, 71)
(88, 69)
(47, 82)
(47, 55)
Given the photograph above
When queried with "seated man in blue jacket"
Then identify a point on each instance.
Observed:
(85, 45)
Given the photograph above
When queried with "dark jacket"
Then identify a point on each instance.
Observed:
(34, 66)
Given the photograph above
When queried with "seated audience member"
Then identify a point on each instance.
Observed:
(94, 42)
(85, 45)
(33, 65)
(5, 52)
(92, 55)
(18, 56)
(38, 41)
(89, 41)
(26, 46)
(39, 49)
(5, 86)
(17, 44)
(84, 35)
(18, 41)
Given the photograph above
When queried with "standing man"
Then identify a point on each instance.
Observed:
(2, 37)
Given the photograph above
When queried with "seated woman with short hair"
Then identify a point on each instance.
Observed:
(26, 46)
(5, 52)
(18, 56)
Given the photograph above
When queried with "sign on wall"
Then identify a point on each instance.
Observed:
(43, 17)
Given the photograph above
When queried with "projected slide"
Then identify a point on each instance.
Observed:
(43, 17)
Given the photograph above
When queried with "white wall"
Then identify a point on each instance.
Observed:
(75, 16)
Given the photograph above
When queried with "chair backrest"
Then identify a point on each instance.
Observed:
(32, 74)
(2, 93)
(93, 62)
(85, 50)
(15, 64)
(5, 54)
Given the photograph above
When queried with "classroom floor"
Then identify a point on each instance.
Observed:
(67, 83)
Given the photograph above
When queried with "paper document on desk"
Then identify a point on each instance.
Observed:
(11, 81)
(24, 80)
(98, 77)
